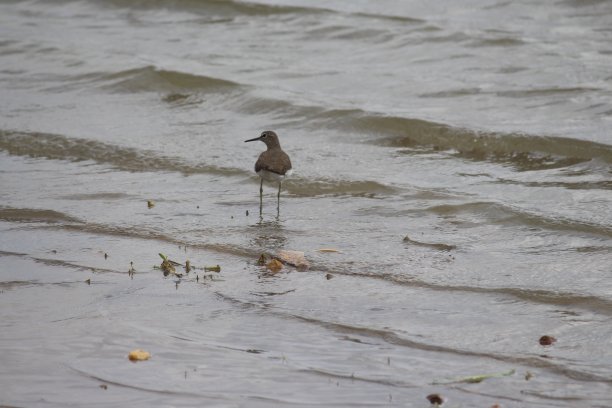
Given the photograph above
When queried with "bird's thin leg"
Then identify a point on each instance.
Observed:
(261, 197)
(278, 198)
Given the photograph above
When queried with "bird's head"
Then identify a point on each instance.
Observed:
(268, 137)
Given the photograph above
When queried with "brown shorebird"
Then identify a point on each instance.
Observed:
(272, 165)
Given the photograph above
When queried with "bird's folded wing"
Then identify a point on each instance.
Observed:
(273, 161)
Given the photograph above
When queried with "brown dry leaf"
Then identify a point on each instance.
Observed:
(274, 266)
(547, 340)
(293, 258)
(139, 355)
(332, 250)
(435, 399)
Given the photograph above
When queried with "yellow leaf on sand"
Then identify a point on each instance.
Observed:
(139, 355)
(274, 266)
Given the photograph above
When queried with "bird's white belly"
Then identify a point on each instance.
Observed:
(270, 176)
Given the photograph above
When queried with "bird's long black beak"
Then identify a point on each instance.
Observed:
(252, 140)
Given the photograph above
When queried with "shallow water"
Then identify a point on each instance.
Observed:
(457, 156)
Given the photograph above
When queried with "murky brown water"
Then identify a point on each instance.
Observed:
(458, 156)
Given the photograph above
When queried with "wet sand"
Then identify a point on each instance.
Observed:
(465, 195)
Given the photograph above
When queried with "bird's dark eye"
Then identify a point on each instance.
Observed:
(264, 134)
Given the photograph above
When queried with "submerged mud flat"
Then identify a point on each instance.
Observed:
(453, 205)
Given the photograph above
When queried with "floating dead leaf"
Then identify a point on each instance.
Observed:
(293, 258)
(187, 266)
(331, 250)
(215, 268)
(88, 281)
(104, 386)
(139, 355)
(329, 276)
(150, 204)
(547, 340)
(274, 266)
(435, 399)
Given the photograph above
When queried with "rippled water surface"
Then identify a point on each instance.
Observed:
(456, 156)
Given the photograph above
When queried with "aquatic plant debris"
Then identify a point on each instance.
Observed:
(263, 259)
(131, 271)
(328, 250)
(167, 266)
(150, 204)
(215, 268)
(473, 379)
(139, 355)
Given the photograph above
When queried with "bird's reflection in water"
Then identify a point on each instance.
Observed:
(268, 235)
